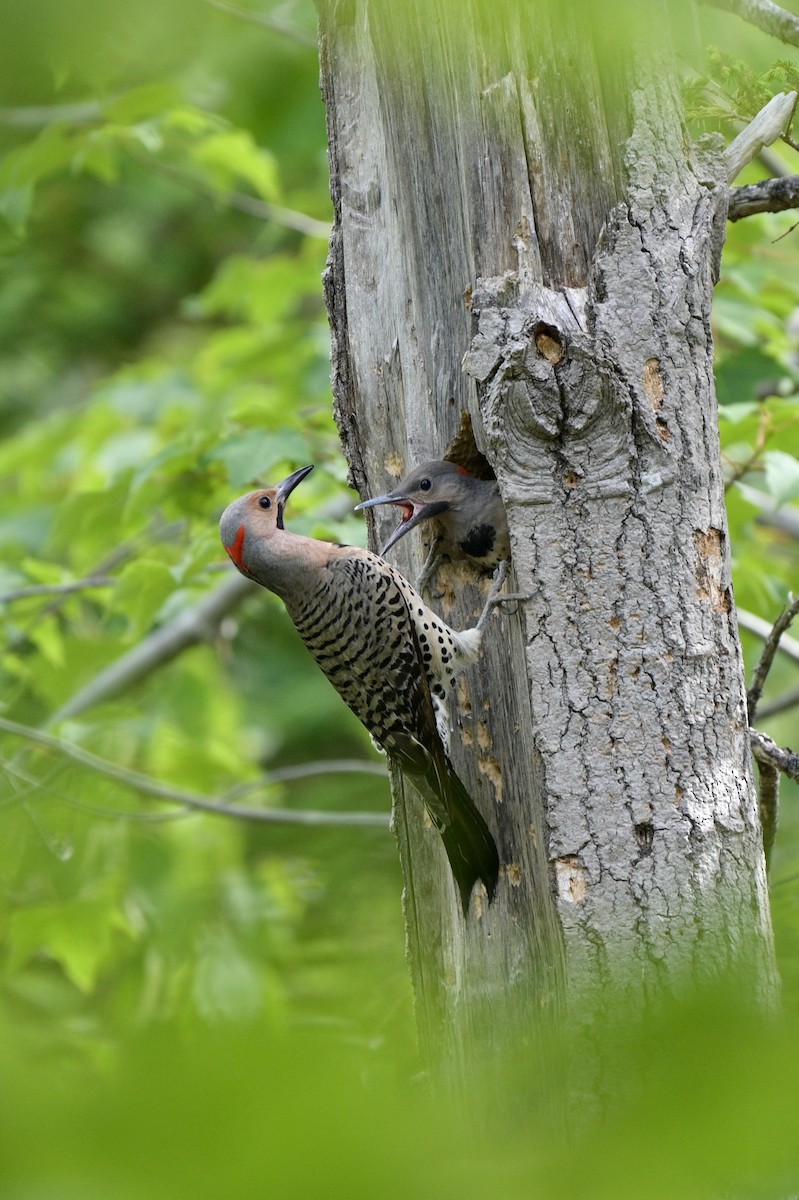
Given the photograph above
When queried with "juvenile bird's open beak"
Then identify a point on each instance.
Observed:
(412, 514)
(284, 490)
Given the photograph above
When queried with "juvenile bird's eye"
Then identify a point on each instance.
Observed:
(425, 485)
(264, 502)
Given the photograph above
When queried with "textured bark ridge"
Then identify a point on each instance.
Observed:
(507, 208)
(599, 419)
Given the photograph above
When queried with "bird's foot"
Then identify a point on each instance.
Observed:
(430, 565)
(494, 598)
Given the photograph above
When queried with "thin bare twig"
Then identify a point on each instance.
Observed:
(786, 520)
(753, 462)
(764, 15)
(330, 766)
(33, 116)
(194, 800)
(197, 624)
(772, 163)
(118, 555)
(39, 786)
(56, 589)
(262, 209)
(766, 750)
(769, 195)
(772, 644)
(761, 628)
(267, 20)
(780, 704)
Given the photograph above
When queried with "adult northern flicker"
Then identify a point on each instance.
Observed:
(469, 512)
(388, 655)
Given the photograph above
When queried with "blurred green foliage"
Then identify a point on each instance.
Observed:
(165, 345)
(192, 1002)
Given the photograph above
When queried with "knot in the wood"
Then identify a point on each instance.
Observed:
(548, 343)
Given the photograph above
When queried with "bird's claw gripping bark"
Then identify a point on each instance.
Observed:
(430, 565)
(494, 598)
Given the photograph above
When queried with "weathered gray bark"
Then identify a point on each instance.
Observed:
(510, 199)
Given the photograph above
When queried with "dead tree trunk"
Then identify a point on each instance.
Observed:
(512, 196)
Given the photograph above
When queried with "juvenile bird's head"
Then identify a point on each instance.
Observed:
(433, 489)
(252, 530)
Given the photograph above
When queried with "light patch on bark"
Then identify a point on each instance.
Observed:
(710, 583)
(653, 384)
(513, 874)
(490, 768)
(571, 879)
(393, 466)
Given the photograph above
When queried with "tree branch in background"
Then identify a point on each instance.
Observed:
(772, 644)
(329, 766)
(766, 750)
(753, 462)
(761, 628)
(764, 15)
(38, 787)
(786, 520)
(197, 624)
(770, 195)
(34, 116)
(772, 163)
(262, 209)
(267, 20)
(56, 589)
(782, 703)
(193, 800)
(769, 124)
(114, 559)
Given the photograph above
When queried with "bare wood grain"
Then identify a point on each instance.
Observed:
(554, 226)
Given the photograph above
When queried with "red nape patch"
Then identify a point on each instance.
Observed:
(235, 550)
(463, 471)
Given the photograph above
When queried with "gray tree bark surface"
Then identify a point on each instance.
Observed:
(521, 271)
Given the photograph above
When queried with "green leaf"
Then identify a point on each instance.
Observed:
(148, 100)
(15, 206)
(49, 151)
(230, 158)
(782, 475)
(252, 455)
(262, 291)
(740, 376)
(87, 524)
(47, 637)
(142, 589)
(733, 413)
(78, 935)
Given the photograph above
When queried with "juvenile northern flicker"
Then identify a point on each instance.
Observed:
(469, 512)
(388, 655)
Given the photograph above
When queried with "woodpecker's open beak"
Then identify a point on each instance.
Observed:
(413, 514)
(284, 490)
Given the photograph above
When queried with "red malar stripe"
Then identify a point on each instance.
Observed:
(235, 550)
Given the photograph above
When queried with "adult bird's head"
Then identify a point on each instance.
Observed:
(433, 489)
(251, 529)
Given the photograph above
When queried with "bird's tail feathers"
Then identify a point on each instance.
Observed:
(470, 848)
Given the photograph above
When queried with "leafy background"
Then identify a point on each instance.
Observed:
(194, 1002)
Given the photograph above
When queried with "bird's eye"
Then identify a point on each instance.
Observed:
(425, 485)
(264, 502)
